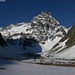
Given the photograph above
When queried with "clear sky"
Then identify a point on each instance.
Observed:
(16, 11)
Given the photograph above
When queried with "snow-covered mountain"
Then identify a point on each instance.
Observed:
(65, 48)
(37, 36)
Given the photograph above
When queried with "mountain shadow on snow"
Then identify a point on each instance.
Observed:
(29, 48)
(2, 41)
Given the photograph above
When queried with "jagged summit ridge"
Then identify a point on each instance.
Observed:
(45, 17)
(48, 26)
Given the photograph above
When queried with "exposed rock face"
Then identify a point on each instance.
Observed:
(45, 26)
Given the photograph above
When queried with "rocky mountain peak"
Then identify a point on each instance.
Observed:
(45, 17)
(45, 14)
(43, 28)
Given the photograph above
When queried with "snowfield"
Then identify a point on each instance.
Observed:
(19, 68)
(68, 54)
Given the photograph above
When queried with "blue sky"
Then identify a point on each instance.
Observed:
(15, 11)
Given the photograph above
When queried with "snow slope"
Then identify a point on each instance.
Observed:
(12, 30)
(62, 51)
(6, 50)
(9, 51)
(67, 54)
